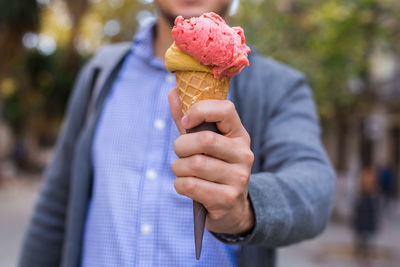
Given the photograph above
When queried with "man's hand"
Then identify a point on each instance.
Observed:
(214, 169)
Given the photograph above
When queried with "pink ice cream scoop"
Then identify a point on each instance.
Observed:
(212, 42)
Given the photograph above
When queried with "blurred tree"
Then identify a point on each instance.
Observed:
(36, 107)
(58, 35)
(16, 18)
(113, 21)
(77, 9)
(332, 42)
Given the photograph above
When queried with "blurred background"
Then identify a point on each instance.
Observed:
(349, 49)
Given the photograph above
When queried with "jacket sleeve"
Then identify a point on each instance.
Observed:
(44, 238)
(293, 195)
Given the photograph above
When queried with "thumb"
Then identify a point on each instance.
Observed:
(176, 109)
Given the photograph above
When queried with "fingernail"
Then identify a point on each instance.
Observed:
(185, 121)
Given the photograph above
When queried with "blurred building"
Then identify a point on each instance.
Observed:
(373, 130)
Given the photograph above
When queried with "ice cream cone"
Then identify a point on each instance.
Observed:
(206, 54)
(194, 86)
(198, 85)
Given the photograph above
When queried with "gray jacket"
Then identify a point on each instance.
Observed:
(291, 186)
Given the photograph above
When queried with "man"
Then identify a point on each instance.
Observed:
(109, 197)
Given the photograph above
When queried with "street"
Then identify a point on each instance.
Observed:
(17, 198)
(332, 249)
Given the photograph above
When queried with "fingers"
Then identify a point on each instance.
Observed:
(222, 112)
(211, 169)
(212, 144)
(176, 109)
(211, 195)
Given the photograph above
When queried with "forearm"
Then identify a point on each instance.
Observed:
(293, 185)
(291, 205)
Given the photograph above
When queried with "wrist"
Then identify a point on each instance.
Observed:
(248, 222)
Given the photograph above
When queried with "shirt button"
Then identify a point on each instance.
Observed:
(170, 78)
(151, 174)
(145, 228)
(159, 124)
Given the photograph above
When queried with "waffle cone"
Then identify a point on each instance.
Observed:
(198, 85)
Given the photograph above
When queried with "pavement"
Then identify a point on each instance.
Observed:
(334, 248)
(17, 197)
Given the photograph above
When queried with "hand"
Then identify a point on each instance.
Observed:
(214, 169)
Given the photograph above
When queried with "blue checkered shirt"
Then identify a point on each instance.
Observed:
(135, 217)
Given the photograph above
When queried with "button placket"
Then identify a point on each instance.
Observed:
(154, 166)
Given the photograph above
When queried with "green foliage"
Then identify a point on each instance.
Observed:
(331, 41)
(21, 14)
(43, 87)
(16, 18)
(34, 87)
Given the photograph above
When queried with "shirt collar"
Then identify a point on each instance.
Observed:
(143, 46)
